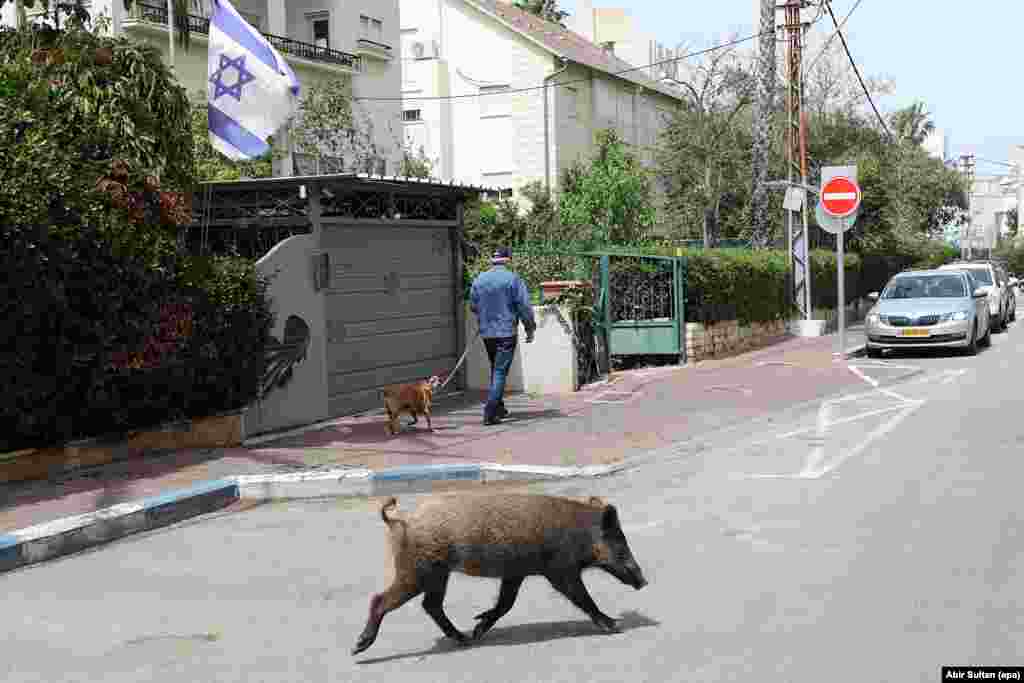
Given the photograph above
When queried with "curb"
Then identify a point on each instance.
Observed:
(69, 535)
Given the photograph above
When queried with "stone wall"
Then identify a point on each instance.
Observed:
(729, 338)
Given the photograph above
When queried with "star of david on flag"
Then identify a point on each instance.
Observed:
(251, 90)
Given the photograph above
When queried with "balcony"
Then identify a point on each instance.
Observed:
(156, 15)
(373, 49)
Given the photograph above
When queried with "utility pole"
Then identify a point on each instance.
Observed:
(967, 168)
(763, 109)
(796, 156)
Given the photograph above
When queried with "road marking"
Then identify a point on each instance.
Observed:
(776, 362)
(841, 421)
(875, 383)
(630, 396)
(731, 387)
(862, 446)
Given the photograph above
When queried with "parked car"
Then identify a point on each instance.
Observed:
(993, 280)
(929, 308)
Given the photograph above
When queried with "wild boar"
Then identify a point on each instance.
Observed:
(508, 536)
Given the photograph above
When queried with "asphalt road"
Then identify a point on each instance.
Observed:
(875, 536)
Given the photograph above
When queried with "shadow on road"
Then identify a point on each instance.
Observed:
(523, 634)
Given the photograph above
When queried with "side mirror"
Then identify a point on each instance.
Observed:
(980, 293)
(873, 296)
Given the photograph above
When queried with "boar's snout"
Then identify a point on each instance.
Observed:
(637, 578)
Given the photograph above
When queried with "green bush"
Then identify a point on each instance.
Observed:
(86, 352)
(736, 284)
(825, 278)
(107, 328)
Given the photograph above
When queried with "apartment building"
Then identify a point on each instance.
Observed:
(498, 97)
(353, 40)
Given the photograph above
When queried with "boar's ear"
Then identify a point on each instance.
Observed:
(610, 519)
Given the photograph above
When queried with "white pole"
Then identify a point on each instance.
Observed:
(842, 292)
(170, 30)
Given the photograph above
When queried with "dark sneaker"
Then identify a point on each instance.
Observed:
(492, 420)
(502, 413)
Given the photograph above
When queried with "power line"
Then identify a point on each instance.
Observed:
(555, 85)
(834, 34)
(993, 161)
(839, 32)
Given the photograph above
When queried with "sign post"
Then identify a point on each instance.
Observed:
(836, 213)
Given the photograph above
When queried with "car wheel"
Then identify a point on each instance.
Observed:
(986, 341)
(972, 346)
(872, 352)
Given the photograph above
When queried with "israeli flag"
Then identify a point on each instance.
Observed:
(251, 90)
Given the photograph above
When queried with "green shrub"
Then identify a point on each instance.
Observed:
(107, 328)
(736, 284)
(88, 351)
(825, 278)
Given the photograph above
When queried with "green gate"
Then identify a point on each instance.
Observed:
(640, 305)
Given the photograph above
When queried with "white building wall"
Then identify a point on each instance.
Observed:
(493, 139)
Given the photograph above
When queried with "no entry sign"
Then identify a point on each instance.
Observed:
(840, 197)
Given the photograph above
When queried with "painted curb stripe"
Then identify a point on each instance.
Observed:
(427, 472)
(68, 535)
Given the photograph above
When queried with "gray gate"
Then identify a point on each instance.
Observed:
(371, 275)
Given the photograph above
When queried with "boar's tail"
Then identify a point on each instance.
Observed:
(389, 504)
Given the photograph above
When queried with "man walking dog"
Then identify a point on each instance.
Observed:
(500, 300)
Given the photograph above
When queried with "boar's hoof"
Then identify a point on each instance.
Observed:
(361, 645)
(608, 625)
(461, 638)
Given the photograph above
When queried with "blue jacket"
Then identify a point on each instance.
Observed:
(500, 300)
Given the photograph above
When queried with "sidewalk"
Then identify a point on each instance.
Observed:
(637, 411)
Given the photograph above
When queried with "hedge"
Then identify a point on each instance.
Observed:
(728, 283)
(89, 351)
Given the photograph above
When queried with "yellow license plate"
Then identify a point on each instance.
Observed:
(913, 332)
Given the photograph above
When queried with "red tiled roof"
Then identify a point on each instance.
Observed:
(568, 44)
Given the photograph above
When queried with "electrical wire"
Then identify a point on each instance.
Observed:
(839, 32)
(688, 55)
(993, 161)
(828, 42)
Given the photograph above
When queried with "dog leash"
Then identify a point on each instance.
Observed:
(457, 365)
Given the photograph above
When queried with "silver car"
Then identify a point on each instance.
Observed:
(992, 279)
(929, 308)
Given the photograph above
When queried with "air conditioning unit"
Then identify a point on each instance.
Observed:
(424, 49)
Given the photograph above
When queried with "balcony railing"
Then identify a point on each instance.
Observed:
(157, 14)
(366, 42)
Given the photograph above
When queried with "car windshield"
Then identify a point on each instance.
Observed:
(982, 275)
(925, 287)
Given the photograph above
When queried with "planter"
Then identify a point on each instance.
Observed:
(552, 289)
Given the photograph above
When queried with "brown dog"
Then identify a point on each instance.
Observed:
(414, 398)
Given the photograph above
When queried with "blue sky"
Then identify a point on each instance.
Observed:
(961, 59)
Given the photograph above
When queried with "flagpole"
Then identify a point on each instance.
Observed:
(170, 29)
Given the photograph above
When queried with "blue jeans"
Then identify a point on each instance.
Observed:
(500, 351)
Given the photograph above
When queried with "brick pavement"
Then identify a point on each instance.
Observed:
(637, 411)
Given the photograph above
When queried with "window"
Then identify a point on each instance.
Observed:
(370, 28)
(412, 115)
(495, 101)
(571, 98)
(321, 24)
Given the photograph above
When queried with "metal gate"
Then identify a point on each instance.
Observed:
(640, 304)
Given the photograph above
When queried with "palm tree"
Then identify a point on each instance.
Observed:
(913, 124)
